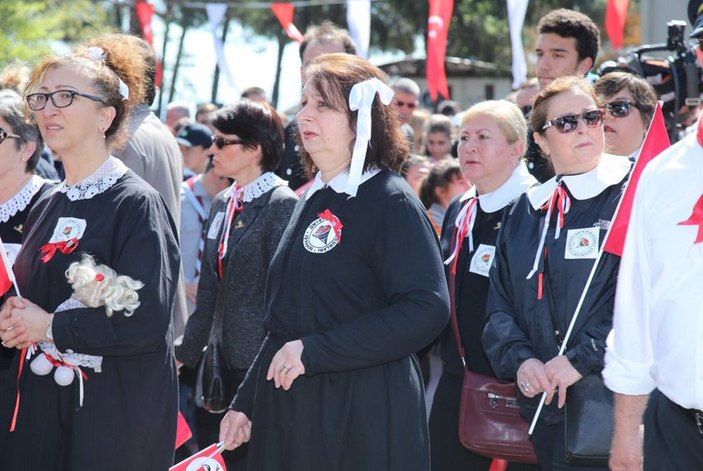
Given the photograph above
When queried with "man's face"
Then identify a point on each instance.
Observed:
(315, 49)
(558, 57)
(404, 104)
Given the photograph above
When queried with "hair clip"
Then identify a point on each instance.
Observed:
(95, 53)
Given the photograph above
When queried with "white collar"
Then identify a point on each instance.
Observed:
(338, 183)
(263, 183)
(513, 187)
(610, 170)
(21, 199)
(98, 182)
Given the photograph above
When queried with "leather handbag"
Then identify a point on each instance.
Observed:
(589, 422)
(490, 423)
(215, 387)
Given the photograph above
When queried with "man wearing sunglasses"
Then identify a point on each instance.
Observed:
(567, 44)
(630, 104)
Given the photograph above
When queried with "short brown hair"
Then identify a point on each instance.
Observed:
(643, 95)
(540, 108)
(333, 76)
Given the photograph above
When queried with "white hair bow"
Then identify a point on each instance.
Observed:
(361, 98)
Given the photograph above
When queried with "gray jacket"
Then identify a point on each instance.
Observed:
(252, 242)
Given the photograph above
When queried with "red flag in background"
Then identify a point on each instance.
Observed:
(7, 278)
(209, 459)
(437, 29)
(183, 431)
(145, 12)
(615, 16)
(656, 141)
(284, 12)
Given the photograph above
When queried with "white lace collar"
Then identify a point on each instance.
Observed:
(22, 198)
(338, 183)
(610, 171)
(98, 182)
(520, 180)
(263, 183)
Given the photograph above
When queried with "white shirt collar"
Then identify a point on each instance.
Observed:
(610, 170)
(22, 198)
(263, 183)
(338, 183)
(98, 182)
(517, 184)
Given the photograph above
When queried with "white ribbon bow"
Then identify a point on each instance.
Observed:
(361, 98)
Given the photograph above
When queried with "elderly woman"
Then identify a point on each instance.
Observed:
(335, 385)
(117, 410)
(492, 142)
(244, 228)
(544, 255)
(20, 149)
(630, 102)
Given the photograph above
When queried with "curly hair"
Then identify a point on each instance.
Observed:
(572, 24)
(333, 76)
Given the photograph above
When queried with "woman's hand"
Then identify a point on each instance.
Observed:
(532, 379)
(235, 429)
(561, 375)
(22, 323)
(286, 365)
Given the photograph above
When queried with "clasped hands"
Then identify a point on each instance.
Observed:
(553, 377)
(22, 323)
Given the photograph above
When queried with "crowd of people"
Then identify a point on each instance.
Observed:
(328, 251)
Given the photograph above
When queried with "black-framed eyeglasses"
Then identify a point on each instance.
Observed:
(7, 135)
(621, 108)
(569, 122)
(220, 141)
(60, 99)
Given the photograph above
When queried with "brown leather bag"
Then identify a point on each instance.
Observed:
(490, 423)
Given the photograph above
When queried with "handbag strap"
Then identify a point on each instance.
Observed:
(217, 320)
(552, 307)
(451, 281)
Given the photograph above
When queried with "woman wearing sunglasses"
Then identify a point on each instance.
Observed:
(630, 102)
(545, 251)
(112, 403)
(245, 225)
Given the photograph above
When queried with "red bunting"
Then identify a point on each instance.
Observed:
(284, 12)
(437, 29)
(615, 16)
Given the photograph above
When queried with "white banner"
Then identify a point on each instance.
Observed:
(359, 23)
(215, 15)
(516, 20)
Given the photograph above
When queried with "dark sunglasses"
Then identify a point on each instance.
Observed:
(6, 135)
(620, 108)
(60, 99)
(220, 141)
(569, 122)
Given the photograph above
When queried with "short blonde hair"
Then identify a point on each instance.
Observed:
(507, 115)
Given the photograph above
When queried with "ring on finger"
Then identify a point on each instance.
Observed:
(282, 369)
(525, 386)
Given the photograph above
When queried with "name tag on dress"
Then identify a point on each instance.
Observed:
(482, 259)
(215, 226)
(67, 229)
(582, 243)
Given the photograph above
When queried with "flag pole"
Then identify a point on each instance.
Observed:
(577, 311)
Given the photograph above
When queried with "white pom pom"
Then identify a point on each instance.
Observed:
(63, 376)
(41, 365)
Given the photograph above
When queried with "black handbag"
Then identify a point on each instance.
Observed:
(215, 387)
(588, 413)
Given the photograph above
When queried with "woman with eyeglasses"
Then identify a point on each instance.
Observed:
(98, 390)
(245, 225)
(20, 189)
(546, 249)
(630, 102)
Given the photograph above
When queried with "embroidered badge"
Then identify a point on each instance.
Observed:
(323, 234)
(582, 243)
(482, 259)
(67, 229)
(215, 225)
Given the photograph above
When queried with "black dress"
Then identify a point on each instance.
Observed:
(128, 417)
(471, 290)
(362, 301)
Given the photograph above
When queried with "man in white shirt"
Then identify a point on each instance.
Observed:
(654, 359)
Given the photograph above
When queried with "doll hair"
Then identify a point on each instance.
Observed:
(98, 285)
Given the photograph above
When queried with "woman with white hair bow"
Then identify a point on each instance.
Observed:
(356, 287)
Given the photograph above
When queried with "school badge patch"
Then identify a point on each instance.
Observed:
(582, 243)
(482, 259)
(323, 234)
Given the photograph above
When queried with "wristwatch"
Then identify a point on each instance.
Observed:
(49, 333)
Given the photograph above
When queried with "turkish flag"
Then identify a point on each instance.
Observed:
(7, 278)
(656, 141)
(145, 13)
(183, 431)
(284, 12)
(615, 16)
(209, 459)
(437, 29)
